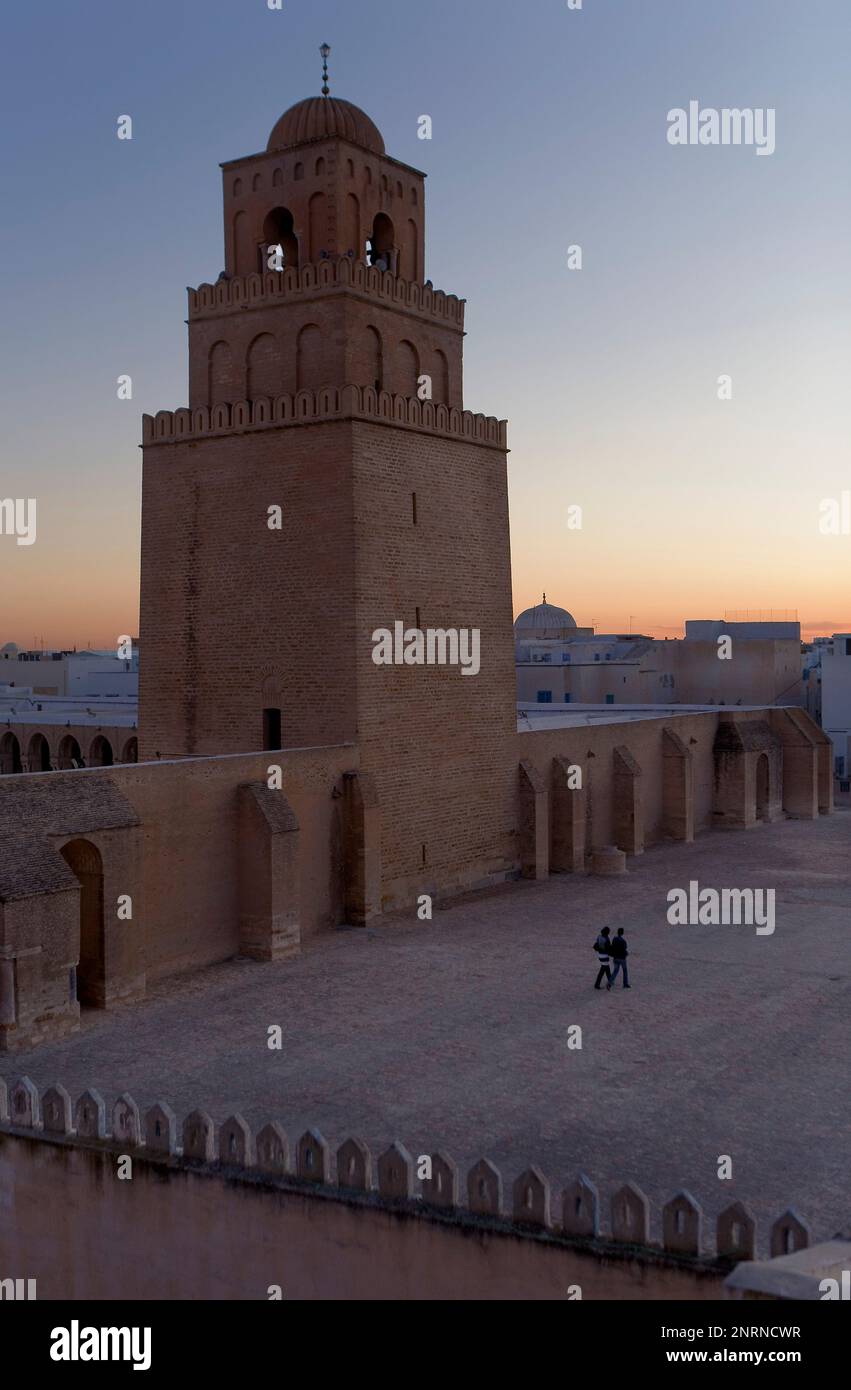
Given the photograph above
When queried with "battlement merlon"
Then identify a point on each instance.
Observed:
(246, 161)
(530, 1206)
(334, 275)
(317, 407)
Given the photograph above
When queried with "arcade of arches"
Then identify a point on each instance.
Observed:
(270, 365)
(25, 749)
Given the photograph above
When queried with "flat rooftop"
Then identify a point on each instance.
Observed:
(452, 1034)
(531, 714)
(19, 707)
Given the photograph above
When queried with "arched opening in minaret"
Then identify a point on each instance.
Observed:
(278, 231)
(382, 243)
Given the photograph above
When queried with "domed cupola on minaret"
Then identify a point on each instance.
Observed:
(324, 187)
(324, 280)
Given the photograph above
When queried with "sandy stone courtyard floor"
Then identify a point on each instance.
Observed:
(452, 1034)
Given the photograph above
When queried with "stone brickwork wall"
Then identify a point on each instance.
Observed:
(439, 743)
(366, 320)
(238, 617)
(206, 879)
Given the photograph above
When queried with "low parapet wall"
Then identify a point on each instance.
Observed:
(215, 1211)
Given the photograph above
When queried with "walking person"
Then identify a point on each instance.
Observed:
(601, 946)
(619, 953)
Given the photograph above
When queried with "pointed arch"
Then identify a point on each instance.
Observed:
(373, 359)
(410, 269)
(309, 358)
(261, 365)
(220, 383)
(351, 226)
(130, 751)
(84, 860)
(408, 367)
(100, 752)
(70, 753)
(440, 378)
(318, 224)
(382, 243)
(38, 754)
(242, 253)
(278, 230)
(10, 753)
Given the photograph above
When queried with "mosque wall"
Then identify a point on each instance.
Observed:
(177, 872)
(183, 1230)
(593, 747)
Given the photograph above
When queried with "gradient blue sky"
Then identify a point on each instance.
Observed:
(549, 129)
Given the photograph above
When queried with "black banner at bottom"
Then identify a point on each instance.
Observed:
(232, 1338)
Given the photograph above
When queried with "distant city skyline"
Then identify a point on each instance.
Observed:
(549, 131)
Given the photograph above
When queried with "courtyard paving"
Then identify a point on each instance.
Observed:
(453, 1034)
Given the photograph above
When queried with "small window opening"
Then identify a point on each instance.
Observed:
(271, 729)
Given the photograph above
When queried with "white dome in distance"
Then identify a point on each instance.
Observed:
(545, 620)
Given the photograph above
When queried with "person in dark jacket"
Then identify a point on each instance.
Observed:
(601, 946)
(619, 953)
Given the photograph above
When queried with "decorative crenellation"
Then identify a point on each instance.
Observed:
(232, 1146)
(329, 403)
(258, 290)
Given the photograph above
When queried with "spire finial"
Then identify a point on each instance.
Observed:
(325, 49)
(544, 599)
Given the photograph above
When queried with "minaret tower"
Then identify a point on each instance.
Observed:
(324, 482)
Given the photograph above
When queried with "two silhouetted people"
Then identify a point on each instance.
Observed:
(609, 951)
